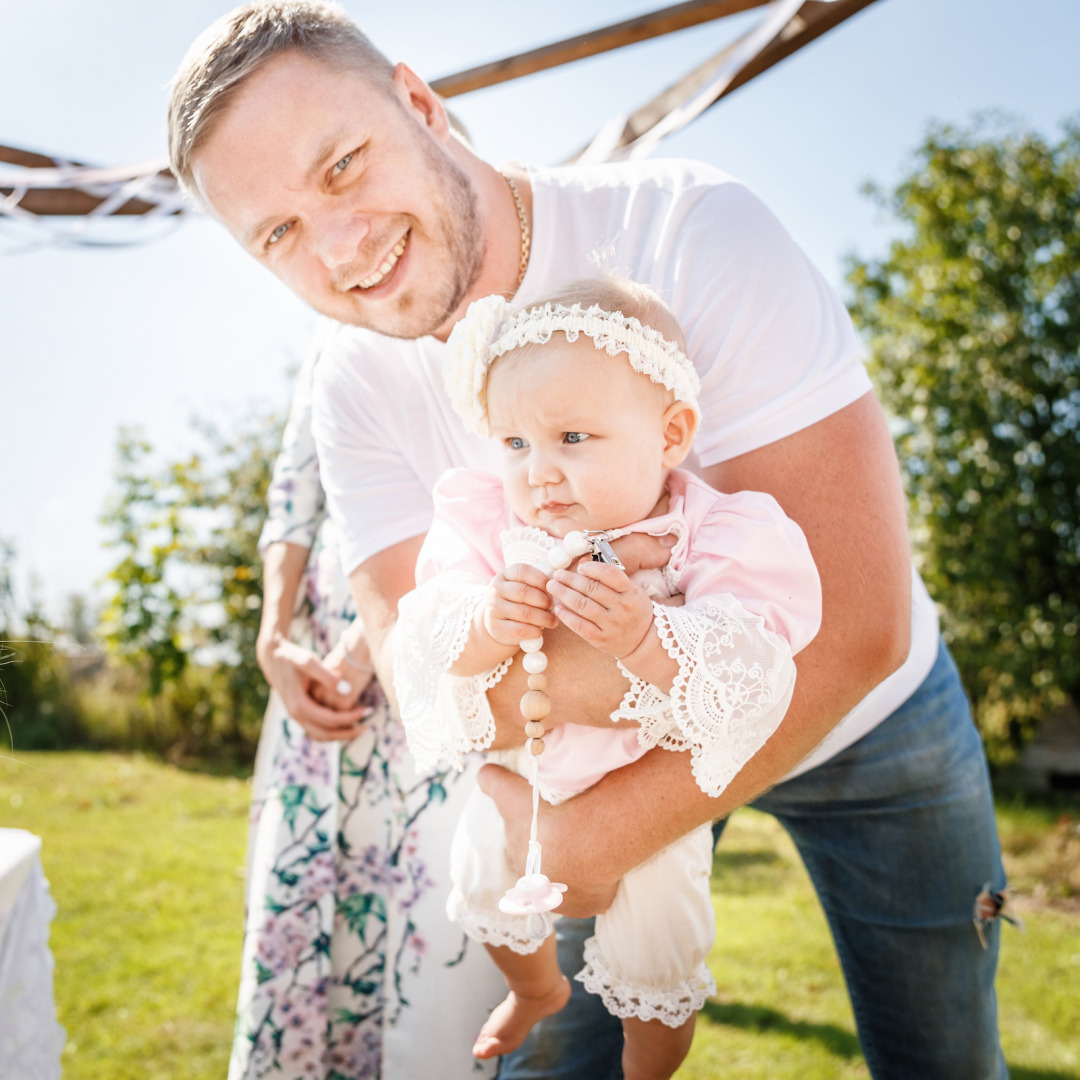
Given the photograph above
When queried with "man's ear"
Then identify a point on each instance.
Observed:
(680, 424)
(421, 100)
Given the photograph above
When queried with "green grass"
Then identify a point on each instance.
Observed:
(144, 861)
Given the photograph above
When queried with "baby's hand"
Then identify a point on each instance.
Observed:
(602, 605)
(518, 607)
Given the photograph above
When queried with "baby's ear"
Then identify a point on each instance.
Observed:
(680, 424)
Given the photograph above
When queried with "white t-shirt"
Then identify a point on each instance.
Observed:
(772, 343)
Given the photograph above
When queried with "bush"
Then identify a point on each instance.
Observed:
(973, 321)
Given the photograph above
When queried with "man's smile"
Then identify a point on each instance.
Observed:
(386, 266)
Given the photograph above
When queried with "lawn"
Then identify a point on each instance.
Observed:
(145, 863)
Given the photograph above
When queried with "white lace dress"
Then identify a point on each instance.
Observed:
(752, 600)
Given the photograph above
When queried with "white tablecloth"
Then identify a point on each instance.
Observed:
(31, 1040)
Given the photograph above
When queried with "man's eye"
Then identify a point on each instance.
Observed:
(515, 442)
(575, 436)
(343, 164)
(278, 233)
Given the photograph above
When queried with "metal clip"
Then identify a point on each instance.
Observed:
(601, 549)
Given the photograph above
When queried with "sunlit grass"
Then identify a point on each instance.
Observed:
(144, 863)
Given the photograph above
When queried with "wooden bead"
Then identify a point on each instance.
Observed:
(534, 662)
(534, 729)
(536, 747)
(538, 682)
(535, 705)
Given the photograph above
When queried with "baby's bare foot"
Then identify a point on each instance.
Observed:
(513, 1018)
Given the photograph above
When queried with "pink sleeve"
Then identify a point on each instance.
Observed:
(745, 545)
(470, 513)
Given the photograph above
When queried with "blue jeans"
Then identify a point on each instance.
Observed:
(898, 835)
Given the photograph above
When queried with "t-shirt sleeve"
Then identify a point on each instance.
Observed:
(373, 494)
(774, 345)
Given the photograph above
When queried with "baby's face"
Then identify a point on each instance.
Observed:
(581, 434)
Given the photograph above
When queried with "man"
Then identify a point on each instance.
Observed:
(339, 171)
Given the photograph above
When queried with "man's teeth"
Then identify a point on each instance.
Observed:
(387, 266)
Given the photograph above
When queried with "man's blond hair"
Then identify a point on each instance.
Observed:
(238, 44)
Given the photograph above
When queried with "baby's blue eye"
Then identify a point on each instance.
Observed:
(575, 436)
(278, 233)
(515, 442)
(343, 164)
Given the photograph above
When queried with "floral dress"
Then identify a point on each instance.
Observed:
(351, 968)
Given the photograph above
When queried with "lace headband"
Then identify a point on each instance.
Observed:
(491, 328)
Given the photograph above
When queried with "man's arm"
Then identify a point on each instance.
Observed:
(840, 481)
(377, 585)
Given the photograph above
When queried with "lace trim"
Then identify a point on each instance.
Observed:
(734, 684)
(672, 1005)
(489, 329)
(527, 544)
(491, 927)
(445, 716)
(645, 705)
(650, 353)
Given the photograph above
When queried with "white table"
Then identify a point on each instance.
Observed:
(31, 1040)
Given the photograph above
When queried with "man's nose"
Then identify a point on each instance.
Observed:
(338, 236)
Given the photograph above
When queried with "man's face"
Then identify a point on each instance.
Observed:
(346, 191)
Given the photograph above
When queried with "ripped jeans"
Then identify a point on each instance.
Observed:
(898, 835)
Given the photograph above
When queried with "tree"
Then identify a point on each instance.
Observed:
(37, 708)
(973, 323)
(187, 588)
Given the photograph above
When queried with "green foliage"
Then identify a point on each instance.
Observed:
(38, 710)
(973, 320)
(186, 589)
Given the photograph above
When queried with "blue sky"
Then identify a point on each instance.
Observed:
(188, 325)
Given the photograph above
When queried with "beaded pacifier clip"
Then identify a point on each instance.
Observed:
(535, 894)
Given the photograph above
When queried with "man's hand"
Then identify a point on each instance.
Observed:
(639, 551)
(602, 605)
(518, 608)
(302, 681)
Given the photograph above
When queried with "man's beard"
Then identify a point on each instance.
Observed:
(457, 232)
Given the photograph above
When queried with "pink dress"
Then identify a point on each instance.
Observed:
(752, 599)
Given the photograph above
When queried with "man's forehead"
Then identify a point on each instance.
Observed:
(285, 121)
(294, 86)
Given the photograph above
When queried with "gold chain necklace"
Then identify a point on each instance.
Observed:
(523, 222)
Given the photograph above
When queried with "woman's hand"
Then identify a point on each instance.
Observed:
(310, 690)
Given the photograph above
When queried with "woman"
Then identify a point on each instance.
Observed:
(350, 965)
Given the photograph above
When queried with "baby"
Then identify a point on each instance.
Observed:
(594, 403)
